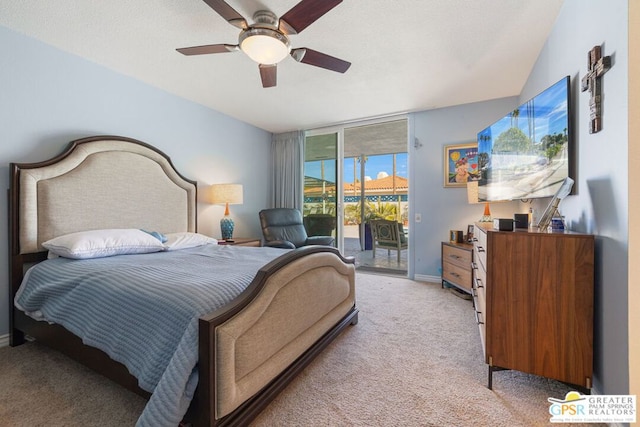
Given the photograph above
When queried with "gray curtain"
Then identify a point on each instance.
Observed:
(287, 163)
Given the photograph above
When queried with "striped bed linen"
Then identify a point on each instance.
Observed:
(143, 310)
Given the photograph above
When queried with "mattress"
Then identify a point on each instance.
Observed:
(142, 310)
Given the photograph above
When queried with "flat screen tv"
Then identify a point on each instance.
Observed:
(526, 154)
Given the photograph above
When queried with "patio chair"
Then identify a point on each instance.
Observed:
(388, 235)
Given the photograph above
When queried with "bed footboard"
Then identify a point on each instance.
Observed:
(252, 349)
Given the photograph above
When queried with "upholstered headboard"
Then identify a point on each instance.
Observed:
(99, 182)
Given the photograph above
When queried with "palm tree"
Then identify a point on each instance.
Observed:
(355, 160)
(531, 117)
(514, 115)
(362, 160)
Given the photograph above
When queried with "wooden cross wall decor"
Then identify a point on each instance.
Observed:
(598, 65)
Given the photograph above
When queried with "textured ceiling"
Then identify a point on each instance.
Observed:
(406, 55)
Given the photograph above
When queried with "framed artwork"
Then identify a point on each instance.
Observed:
(470, 233)
(455, 236)
(460, 164)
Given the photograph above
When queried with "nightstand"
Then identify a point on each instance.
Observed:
(242, 241)
(456, 265)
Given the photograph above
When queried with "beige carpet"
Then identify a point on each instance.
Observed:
(414, 359)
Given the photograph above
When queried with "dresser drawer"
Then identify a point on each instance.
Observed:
(479, 295)
(457, 256)
(457, 275)
(479, 276)
(480, 312)
(480, 247)
(480, 236)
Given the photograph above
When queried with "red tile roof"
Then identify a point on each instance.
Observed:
(380, 185)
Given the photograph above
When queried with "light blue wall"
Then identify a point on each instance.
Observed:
(445, 209)
(49, 98)
(601, 204)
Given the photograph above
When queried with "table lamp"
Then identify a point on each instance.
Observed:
(227, 194)
(474, 198)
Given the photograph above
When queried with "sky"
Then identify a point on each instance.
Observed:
(374, 166)
(551, 116)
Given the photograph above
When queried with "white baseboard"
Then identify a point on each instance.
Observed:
(4, 340)
(427, 278)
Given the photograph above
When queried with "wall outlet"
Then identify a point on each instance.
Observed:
(418, 217)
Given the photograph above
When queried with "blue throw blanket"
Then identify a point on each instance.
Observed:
(143, 310)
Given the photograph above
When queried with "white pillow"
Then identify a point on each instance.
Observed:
(103, 243)
(185, 240)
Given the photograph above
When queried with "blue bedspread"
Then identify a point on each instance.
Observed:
(143, 311)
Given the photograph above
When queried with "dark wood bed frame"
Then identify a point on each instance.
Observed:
(201, 411)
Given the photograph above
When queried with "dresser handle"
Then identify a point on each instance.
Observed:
(474, 283)
(478, 313)
(480, 249)
(473, 266)
(475, 239)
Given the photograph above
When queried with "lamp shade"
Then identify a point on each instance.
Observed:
(472, 192)
(226, 193)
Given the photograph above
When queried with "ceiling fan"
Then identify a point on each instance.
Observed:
(267, 40)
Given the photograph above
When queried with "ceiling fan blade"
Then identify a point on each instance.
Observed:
(319, 59)
(304, 14)
(228, 13)
(209, 48)
(268, 74)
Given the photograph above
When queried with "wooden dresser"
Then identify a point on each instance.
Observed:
(533, 295)
(456, 265)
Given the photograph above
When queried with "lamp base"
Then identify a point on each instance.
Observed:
(486, 217)
(226, 227)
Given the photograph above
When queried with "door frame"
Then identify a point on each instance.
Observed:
(339, 131)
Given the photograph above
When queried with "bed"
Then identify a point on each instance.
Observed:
(287, 307)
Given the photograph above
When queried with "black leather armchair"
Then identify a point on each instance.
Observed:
(283, 228)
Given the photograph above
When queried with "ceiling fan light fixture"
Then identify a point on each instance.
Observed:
(264, 45)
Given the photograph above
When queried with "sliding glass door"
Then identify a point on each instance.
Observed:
(320, 208)
(376, 187)
(352, 175)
